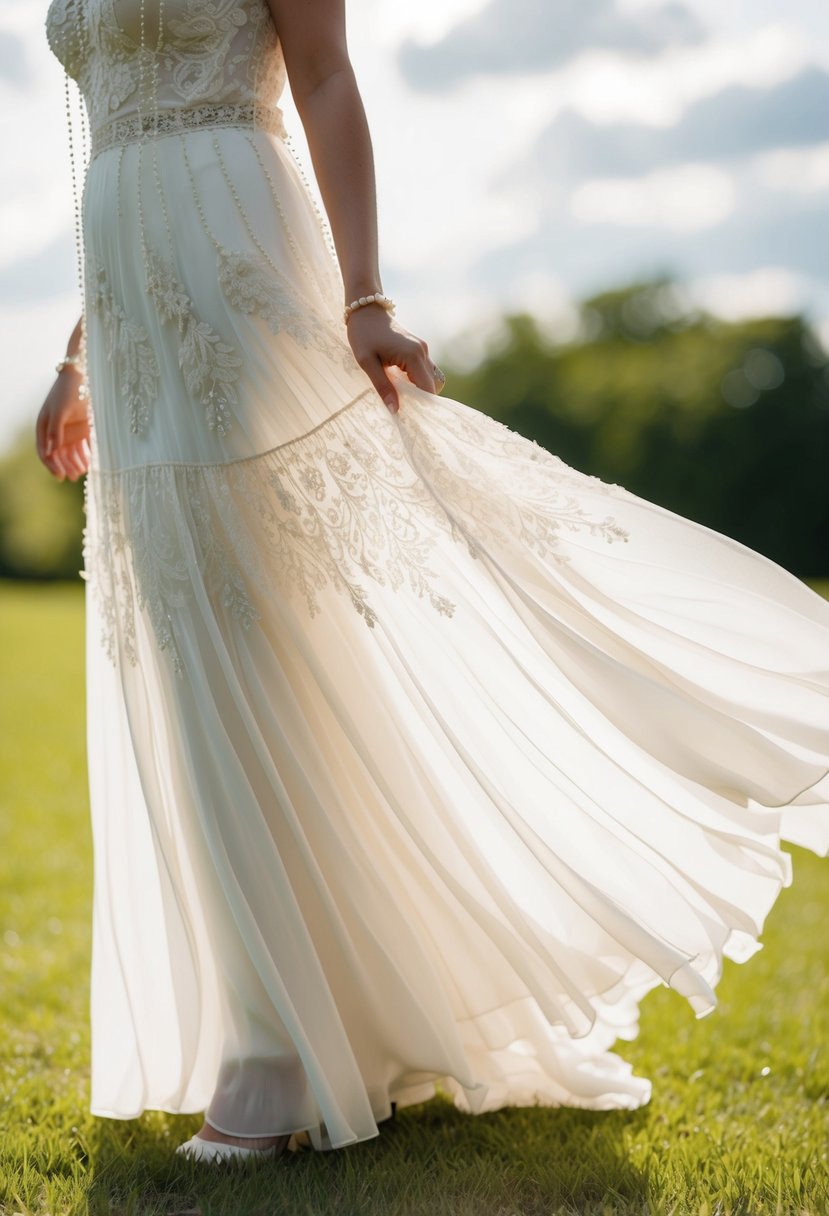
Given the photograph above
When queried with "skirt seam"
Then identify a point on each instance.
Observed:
(221, 464)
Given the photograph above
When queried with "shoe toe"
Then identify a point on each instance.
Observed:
(197, 1149)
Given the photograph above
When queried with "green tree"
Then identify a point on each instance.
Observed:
(41, 518)
(725, 423)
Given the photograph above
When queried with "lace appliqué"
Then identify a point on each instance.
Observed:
(324, 509)
(136, 368)
(342, 503)
(216, 63)
(63, 33)
(502, 490)
(210, 366)
(178, 120)
(148, 523)
(254, 288)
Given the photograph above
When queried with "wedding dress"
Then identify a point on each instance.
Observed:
(415, 755)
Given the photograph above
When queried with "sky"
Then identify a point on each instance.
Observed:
(528, 153)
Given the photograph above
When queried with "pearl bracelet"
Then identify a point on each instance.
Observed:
(66, 361)
(377, 297)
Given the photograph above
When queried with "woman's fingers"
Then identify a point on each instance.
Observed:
(45, 452)
(54, 434)
(378, 344)
(56, 463)
(40, 434)
(419, 369)
(376, 372)
(74, 459)
(67, 462)
(62, 430)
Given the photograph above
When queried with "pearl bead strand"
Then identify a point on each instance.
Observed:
(83, 390)
(321, 220)
(376, 297)
(145, 127)
(289, 236)
(156, 173)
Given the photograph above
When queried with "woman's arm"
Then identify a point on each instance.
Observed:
(313, 37)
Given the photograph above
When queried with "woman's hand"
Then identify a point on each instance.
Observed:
(378, 342)
(62, 429)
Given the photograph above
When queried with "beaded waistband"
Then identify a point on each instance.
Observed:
(176, 120)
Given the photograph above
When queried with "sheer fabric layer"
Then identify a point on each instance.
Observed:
(449, 840)
(415, 755)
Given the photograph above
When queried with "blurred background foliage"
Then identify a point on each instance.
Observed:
(41, 518)
(725, 423)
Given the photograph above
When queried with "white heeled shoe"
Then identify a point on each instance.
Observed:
(197, 1149)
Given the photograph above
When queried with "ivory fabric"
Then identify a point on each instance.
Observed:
(415, 755)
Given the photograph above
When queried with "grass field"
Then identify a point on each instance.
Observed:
(738, 1122)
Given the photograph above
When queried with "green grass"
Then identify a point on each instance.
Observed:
(737, 1123)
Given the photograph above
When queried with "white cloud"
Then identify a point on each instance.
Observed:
(30, 221)
(475, 318)
(428, 20)
(34, 337)
(547, 299)
(766, 291)
(37, 201)
(685, 199)
(796, 170)
(513, 37)
(604, 89)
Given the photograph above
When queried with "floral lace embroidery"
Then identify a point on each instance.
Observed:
(209, 365)
(529, 507)
(63, 33)
(253, 287)
(327, 508)
(136, 368)
(343, 502)
(138, 560)
(177, 120)
(222, 55)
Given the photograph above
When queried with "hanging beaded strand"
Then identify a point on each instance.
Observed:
(289, 236)
(143, 124)
(144, 128)
(245, 219)
(85, 133)
(321, 220)
(156, 172)
(220, 249)
(218, 246)
(83, 390)
(160, 276)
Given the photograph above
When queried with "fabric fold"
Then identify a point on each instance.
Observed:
(453, 824)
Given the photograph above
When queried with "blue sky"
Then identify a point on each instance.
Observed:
(528, 152)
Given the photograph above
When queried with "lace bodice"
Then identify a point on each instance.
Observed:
(218, 54)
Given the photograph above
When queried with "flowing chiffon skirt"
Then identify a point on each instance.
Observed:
(415, 755)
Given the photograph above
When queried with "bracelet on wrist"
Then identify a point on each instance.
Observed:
(376, 297)
(67, 361)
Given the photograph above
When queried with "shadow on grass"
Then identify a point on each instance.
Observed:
(432, 1158)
